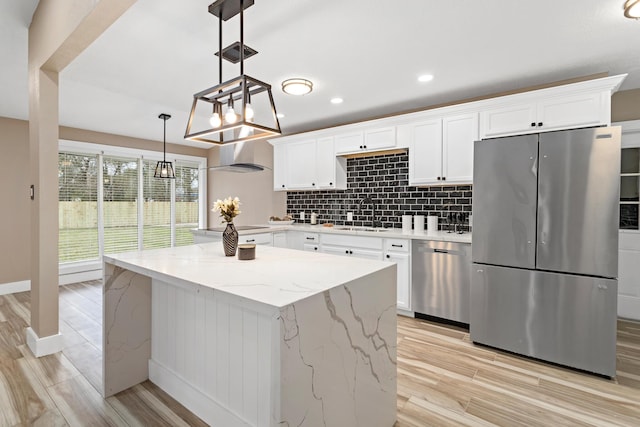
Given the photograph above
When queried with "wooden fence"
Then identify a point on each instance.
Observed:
(123, 214)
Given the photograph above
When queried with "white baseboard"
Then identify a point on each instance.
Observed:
(208, 409)
(14, 287)
(629, 307)
(43, 346)
(65, 279)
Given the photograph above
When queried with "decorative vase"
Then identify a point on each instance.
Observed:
(230, 239)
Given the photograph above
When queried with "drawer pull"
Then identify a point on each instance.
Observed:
(251, 240)
(397, 246)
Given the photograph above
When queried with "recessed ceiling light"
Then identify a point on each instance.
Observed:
(297, 86)
(425, 78)
(280, 115)
(337, 100)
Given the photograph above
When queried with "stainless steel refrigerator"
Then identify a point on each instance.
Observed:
(545, 246)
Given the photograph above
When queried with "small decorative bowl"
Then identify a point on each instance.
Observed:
(246, 251)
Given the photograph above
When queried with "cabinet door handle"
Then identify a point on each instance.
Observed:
(346, 252)
(539, 124)
(361, 147)
(365, 147)
(533, 124)
(282, 185)
(313, 184)
(388, 256)
(439, 178)
(444, 178)
(397, 246)
(315, 248)
(310, 238)
(331, 183)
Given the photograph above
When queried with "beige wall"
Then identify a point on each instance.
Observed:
(15, 214)
(625, 105)
(255, 189)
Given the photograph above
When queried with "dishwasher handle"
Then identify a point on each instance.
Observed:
(441, 251)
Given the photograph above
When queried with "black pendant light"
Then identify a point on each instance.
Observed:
(164, 169)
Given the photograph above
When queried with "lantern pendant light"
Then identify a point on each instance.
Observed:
(242, 121)
(164, 169)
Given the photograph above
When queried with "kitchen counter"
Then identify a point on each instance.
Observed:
(237, 342)
(395, 233)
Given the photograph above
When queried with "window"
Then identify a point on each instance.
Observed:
(629, 186)
(187, 190)
(156, 209)
(78, 207)
(109, 202)
(120, 204)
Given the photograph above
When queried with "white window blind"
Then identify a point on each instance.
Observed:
(77, 207)
(156, 209)
(187, 203)
(120, 195)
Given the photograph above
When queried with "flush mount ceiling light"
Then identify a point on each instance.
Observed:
(297, 86)
(249, 111)
(337, 100)
(632, 9)
(164, 169)
(425, 78)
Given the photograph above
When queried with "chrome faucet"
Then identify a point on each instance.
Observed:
(369, 200)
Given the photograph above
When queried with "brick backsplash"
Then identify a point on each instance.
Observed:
(385, 179)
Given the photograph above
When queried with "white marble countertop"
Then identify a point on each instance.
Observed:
(393, 233)
(276, 277)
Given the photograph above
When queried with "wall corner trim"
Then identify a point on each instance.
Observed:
(43, 346)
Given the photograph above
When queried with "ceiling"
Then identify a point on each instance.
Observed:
(370, 53)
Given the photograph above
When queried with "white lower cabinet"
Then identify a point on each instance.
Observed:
(350, 251)
(398, 250)
(360, 247)
(280, 239)
(258, 239)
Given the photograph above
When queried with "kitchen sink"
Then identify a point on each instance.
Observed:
(376, 230)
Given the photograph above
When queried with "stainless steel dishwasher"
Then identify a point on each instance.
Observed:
(441, 279)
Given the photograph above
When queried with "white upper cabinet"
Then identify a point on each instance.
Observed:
(331, 171)
(308, 164)
(280, 167)
(368, 140)
(425, 151)
(508, 120)
(458, 135)
(301, 164)
(589, 109)
(441, 150)
(575, 105)
(349, 142)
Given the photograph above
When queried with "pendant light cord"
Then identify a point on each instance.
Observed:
(164, 139)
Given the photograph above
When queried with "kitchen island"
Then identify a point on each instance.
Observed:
(290, 338)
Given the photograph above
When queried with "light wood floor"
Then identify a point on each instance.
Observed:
(443, 379)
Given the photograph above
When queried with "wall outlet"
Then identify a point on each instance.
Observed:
(349, 216)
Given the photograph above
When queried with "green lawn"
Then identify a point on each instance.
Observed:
(117, 239)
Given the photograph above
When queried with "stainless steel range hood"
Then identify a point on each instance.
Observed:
(238, 158)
